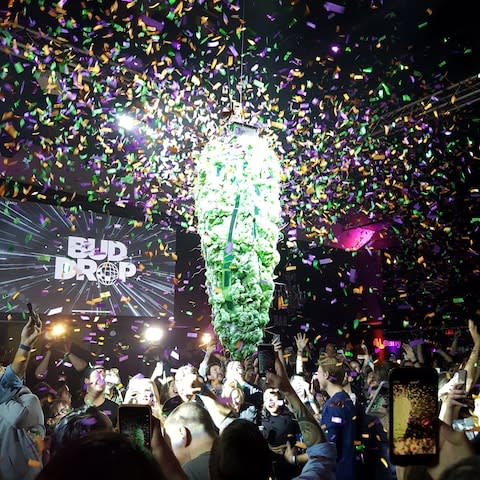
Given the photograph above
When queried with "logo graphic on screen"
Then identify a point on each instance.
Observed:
(70, 261)
(83, 262)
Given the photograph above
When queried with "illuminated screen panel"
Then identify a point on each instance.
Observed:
(70, 261)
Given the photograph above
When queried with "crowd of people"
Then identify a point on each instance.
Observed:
(315, 415)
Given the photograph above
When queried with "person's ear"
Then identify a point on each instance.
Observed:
(185, 435)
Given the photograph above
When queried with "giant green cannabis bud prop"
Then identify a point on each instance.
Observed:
(237, 203)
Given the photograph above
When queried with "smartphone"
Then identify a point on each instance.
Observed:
(413, 416)
(462, 377)
(379, 402)
(32, 313)
(266, 359)
(135, 421)
(464, 424)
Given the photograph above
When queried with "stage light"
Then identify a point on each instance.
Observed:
(206, 338)
(153, 334)
(126, 122)
(58, 330)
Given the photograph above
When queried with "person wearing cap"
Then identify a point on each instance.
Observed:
(338, 416)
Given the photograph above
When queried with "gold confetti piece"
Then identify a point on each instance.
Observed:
(10, 129)
(34, 463)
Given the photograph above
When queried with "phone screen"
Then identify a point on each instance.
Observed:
(414, 416)
(266, 359)
(135, 421)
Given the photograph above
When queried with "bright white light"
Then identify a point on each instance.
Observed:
(126, 122)
(153, 334)
(58, 330)
(206, 338)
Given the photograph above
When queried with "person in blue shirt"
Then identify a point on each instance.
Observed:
(21, 419)
(338, 417)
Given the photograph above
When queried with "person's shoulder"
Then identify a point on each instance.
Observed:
(197, 468)
(110, 403)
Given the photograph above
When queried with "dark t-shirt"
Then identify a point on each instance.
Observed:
(110, 409)
(277, 428)
(197, 469)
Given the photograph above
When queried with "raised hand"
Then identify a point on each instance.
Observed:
(301, 340)
(31, 331)
(407, 348)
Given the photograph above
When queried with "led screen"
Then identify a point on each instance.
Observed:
(73, 261)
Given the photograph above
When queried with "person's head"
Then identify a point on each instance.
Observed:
(143, 391)
(272, 401)
(63, 393)
(95, 379)
(45, 392)
(240, 452)
(112, 377)
(299, 385)
(330, 371)
(54, 411)
(215, 373)
(187, 426)
(99, 456)
(375, 377)
(234, 395)
(355, 366)
(78, 424)
(186, 377)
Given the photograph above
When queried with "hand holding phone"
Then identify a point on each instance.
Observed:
(135, 421)
(33, 315)
(462, 378)
(32, 329)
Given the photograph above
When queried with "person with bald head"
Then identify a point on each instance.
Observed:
(191, 432)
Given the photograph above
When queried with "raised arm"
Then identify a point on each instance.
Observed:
(203, 367)
(30, 333)
(79, 364)
(42, 368)
(311, 431)
(472, 370)
(301, 341)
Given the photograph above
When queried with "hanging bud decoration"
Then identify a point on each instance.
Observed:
(237, 203)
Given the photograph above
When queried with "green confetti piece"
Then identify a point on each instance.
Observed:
(458, 300)
(44, 258)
